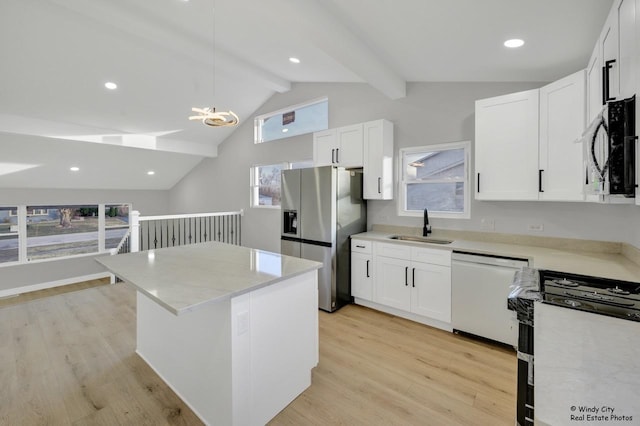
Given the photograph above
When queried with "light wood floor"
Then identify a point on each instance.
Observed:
(68, 359)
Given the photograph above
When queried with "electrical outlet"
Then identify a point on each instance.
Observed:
(538, 227)
(487, 224)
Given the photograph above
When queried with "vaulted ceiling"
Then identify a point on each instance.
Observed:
(170, 55)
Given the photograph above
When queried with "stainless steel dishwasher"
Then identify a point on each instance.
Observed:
(479, 292)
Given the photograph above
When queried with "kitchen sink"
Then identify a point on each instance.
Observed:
(420, 239)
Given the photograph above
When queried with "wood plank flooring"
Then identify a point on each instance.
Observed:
(69, 359)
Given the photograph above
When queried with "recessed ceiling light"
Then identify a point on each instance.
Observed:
(74, 168)
(294, 60)
(111, 85)
(514, 42)
(151, 172)
(285, 130)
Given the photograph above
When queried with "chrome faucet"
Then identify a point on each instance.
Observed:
(426, 229)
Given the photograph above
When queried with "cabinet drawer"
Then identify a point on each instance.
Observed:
(361, 246)
(397, 251)
(429, 255)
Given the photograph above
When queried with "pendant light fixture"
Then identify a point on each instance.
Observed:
(208, 115)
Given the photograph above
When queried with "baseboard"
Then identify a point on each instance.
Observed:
(51, 284)
(404, 314)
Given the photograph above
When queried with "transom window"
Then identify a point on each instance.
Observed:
(435, 177)
(292, 121)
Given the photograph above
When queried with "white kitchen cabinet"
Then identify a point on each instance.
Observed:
(628, 33)
(324, 147)
(392, 282)
(378, 160)
(361, 270)
(610, 59)
(594, 84)
(431, 291)
(339, 147)
(421, 287)
(562, 122)
(506, 150)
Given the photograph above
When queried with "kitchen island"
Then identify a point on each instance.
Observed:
(232, 330)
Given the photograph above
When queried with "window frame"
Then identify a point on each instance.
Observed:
(23, 214)
(254, 188)
(404, 181)
(259, 119)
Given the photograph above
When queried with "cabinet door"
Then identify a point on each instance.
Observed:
(594, 84)
(378, 160)
(628, 40)
(392, 283)
(324, 148)
(431, 291)
(349, 146)
(610, 59)
(507, 147)
(361, 276)
(562, 121)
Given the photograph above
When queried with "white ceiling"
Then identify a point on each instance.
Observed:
(57, 54)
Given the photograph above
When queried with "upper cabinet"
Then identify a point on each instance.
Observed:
(526, 143)
(506, 147)
(339, 147)
(562, 121)
(366, 145)
(378, 160)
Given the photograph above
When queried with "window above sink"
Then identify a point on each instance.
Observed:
(435, 177)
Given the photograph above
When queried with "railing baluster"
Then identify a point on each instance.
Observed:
(222, 227)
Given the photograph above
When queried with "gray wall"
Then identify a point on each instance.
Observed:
(148, 202)
(431, 113)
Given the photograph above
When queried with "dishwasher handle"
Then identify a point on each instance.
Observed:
(485, 259)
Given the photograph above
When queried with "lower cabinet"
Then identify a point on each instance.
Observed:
(392, 283)
(431, 291)
(387, 277)
(361, 276)
(361, 270)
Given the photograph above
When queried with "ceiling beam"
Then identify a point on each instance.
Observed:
(324, 28)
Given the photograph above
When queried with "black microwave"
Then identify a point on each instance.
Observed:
(622, 147)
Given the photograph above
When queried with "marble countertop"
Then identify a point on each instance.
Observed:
(183, 278)
(606, 265)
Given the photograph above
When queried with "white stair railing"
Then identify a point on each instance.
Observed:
(151, 232)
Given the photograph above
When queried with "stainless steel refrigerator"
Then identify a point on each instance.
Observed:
(321, 208)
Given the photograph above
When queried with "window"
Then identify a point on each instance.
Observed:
(63, 231)
(292, 121)
(116, 224)
(8, 235)
(265, 185)
(435, 177)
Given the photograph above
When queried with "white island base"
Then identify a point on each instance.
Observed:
(239, 361)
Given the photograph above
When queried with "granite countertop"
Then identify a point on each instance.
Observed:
(600, 264)
(183, 278)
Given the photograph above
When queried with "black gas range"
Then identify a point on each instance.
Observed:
(620, 299)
